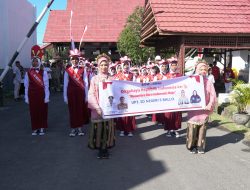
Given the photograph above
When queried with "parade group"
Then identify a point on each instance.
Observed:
(81, 94)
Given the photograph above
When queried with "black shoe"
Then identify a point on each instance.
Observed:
(105, 154)
(201, 150)
(193, 151)
(172, 133)
(99, 155)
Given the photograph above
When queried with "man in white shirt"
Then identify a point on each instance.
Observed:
(17, 79)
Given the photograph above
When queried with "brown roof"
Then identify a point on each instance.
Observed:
(105, 20)
(197, 17)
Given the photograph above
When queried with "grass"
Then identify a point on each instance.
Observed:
(226, 123)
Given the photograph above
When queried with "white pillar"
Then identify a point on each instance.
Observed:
(248, 66)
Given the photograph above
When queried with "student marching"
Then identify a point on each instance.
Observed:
(81, 94)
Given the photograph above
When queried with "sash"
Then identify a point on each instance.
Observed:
(127, 78)
(144, 79)
(75, 77)
(37, 78)
(173, 75)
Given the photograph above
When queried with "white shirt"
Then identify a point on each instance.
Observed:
(18, 77)
(46, 87)
(48, 70)
(211, 78)
(66, 83)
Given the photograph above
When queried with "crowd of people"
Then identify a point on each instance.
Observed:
(81, 94)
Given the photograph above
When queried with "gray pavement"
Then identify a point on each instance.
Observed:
(147, 161)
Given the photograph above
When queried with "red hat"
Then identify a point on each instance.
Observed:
(87, 63)
(134, 68)
(113, 65)
(163, 62)
(143, 67)
(172, 60)
(37, 52)
(125, 58)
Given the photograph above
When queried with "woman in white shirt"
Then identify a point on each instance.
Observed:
(210, 76)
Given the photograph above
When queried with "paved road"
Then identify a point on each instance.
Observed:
(148, 161)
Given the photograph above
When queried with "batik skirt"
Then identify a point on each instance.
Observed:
(196, 136)
(102, 134)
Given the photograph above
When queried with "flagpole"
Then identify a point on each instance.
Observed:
(32, 29)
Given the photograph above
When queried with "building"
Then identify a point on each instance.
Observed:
(15, 23)
(105, 19)
(183, 25)
(241, 63)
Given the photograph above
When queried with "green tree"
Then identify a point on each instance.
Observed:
(129, 39)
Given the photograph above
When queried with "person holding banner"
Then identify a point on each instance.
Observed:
(36, 84)
(102, 131)
(126, 125)
(172, 120)
(75, 94)
(196, 125)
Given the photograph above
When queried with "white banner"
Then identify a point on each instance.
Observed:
(126, 98)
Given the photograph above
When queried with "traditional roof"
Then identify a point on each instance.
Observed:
(105, 20)
(194, 17)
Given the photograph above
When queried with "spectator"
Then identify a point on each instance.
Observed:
(17, 79)
(48, 70)
(216, 72)
(210, 75)
(22, 89)
(228, 76)
(55, 74)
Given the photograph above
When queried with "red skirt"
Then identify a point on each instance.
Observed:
(158, 117)
(78, 108)
(172, 120)
(126, 124)
(38, 109)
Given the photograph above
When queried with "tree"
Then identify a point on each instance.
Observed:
(129, 39)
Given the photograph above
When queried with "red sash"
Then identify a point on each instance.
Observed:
(197, 78)
(127, 78)
(173, 75)
(144, 78)
(75, 77)
(158, 77)
(37, 78)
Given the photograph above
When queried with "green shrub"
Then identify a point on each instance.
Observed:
(240, 96)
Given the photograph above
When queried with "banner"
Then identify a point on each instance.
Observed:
(126, 98)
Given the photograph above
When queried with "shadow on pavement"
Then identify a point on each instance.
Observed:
(56, 161)
(218, 141)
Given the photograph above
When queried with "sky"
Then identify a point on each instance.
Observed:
(40, 4)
